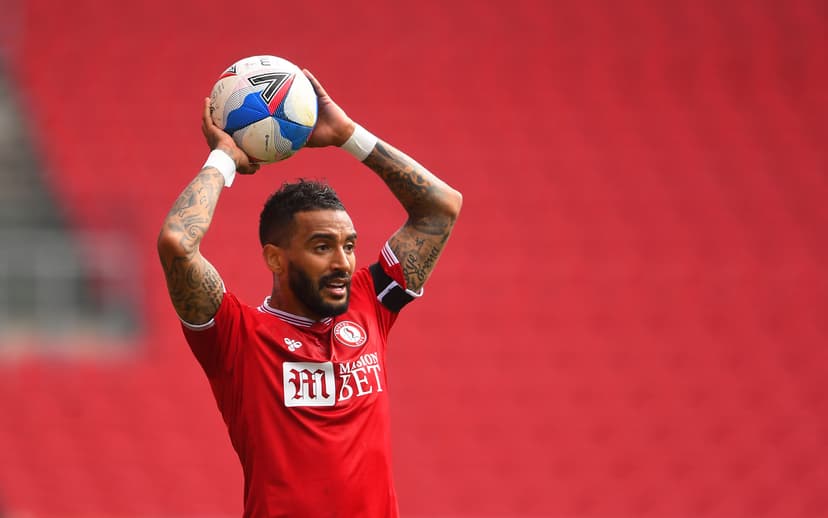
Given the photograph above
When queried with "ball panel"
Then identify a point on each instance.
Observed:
(300, 102)
(296, 134)
(283, 148)
(258, 140)
(252, 109)
(219, 97)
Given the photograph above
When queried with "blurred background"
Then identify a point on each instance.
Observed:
(631, 319)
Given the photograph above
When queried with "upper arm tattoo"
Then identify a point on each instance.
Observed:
(195, 288)
(417, 256)
(194, 285)
(431, 216)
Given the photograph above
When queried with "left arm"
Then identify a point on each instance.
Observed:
(432, 208)
(432, 205)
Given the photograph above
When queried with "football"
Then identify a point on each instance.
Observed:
(267, 105)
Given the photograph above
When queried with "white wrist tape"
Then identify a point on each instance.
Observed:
(360, 143)
(222, 162)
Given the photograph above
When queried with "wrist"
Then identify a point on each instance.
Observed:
(222, 162)
(360, 143)
(346, 132)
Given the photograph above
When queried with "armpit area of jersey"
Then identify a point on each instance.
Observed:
(389, 292)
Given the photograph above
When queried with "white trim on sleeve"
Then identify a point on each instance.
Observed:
(198, 327)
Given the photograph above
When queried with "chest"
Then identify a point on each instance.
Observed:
(338, 365)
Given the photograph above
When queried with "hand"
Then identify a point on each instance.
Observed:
(218, 139)
(333, 126)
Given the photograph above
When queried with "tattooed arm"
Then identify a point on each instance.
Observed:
(194, 285)
(432, 208)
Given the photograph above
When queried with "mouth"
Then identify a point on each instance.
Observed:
(336, 288)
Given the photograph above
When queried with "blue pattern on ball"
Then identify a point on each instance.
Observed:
(253, 109)
(297, 134)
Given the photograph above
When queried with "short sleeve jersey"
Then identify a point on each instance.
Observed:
(306, 402)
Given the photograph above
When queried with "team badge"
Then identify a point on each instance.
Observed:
(350, 334)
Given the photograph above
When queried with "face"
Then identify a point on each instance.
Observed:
(320, 262)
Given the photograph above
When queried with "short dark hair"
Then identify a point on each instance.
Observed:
(276, 219)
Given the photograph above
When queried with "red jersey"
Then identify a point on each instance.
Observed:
(306, 403)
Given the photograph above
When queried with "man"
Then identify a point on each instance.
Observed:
(301, 380)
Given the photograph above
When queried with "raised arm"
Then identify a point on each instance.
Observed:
(432, 205)
(194, 285)
(432, 208)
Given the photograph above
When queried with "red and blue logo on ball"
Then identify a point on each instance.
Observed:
(268, 101)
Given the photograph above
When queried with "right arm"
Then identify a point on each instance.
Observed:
(194, 285)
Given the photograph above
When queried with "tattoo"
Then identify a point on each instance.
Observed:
(403, 175)
(194, 285)
(432, 208)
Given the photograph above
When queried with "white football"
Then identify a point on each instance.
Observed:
(267, 105)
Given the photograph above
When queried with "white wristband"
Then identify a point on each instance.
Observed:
(222, 162)
(360, 143)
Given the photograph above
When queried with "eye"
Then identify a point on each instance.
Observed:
(349, 247)
(322, 247)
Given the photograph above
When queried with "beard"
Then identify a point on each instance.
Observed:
(309, 292)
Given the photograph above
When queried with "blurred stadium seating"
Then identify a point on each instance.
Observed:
(630, 321)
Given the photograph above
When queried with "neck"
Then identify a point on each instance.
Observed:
(288, 303)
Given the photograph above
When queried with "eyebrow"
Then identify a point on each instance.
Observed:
(331, 236)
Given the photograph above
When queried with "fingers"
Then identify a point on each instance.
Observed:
(206, 119)
(248, 169)
(317, 86)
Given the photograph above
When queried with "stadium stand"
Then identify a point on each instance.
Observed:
(630, 320)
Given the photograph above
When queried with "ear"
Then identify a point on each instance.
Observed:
(274, 258)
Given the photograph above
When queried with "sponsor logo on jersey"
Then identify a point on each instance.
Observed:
(350, 334)
(309, 384)
(313, 384)
(360, 377)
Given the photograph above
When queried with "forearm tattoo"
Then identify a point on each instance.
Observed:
(421, 240)
(194, 285)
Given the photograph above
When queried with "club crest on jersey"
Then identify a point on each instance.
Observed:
(350, 334)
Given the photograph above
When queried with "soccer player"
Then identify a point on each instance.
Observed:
(301, 380)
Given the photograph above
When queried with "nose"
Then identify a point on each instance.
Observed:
(340, 260)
